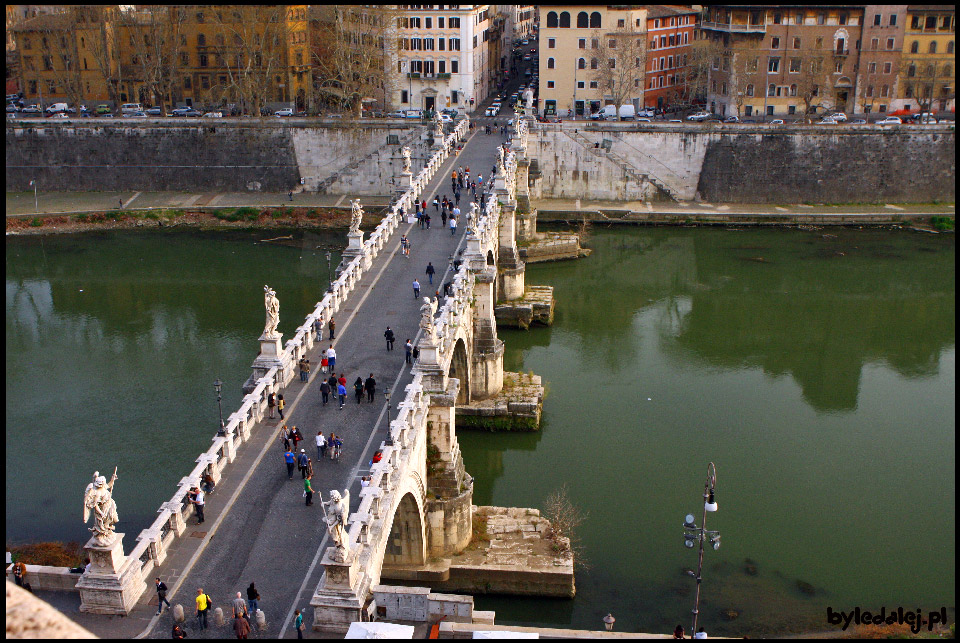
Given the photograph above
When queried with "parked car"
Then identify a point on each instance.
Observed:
(155, 111)
(130, 108)
(414, 113)
(840, 117)
(449, 111)
(399, 113)
(777, 121)
(103, 109)
(134, 115)
(731, 119)
(58, 115)
(524, 42)
(56, 108)
(699, 116)
(890, 120)
(643, 120)
(858, 121)
(31, 109)
(826, 120)
(492, 111)
(213, 115)
(12, 109)
(193, 113)
(445, 118)
(924, 119)
(286, 111)
(647, 112)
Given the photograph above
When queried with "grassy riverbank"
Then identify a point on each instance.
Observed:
(55, 554)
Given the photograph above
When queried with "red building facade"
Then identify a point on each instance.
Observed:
(669, 38)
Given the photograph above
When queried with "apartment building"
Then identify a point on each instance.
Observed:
(927, 74)
(445, 57)
(523, 20)
(670, 32)
(772, 60)
(590, 55)
(879, 58)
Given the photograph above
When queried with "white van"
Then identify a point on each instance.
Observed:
(129, 108)
(609, 113)
(56, 108)
(414, 113)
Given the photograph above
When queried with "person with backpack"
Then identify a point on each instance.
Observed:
(203, 606)
(298, 623)
(302, 461)
(271, 403)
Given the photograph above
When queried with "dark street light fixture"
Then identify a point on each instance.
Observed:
(218, 386)
(389, 441)
(329, 273)
(693, 534)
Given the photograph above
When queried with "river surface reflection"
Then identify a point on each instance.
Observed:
(815, 368)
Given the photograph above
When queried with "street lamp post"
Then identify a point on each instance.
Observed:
(693, 534)
(389, 441)
(329, 274)
(36, 204)
(218, 386)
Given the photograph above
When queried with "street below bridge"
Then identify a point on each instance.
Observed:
(257, 527)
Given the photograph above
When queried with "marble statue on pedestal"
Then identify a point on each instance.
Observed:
(98, 498)
(500, 159)
(472, 220)
(427, 311)
(405, 155)
(335, 513)
(356, 216)
(273, 313)
(438, 127)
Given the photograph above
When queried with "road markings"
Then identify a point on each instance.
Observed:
(131, 199)
(890, 206)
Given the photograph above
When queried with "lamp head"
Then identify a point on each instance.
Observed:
(711, 503)
(217, 385)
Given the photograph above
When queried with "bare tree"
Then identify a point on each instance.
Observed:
(565, 517)
(924, 82)
(703, 52)
(812, 80)
(622, 59)
(250, 46)
(353, 54)
(105, 47)
(59, 54)
(155, 46)
(743, 78)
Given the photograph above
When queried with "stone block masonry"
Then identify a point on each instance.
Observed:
(744, 163)
(235, 155)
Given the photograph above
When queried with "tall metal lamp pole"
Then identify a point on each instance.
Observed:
(694, 534)
(218, 386)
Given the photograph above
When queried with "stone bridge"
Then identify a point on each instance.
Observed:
(418, 503)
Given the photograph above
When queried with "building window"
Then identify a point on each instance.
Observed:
(872, 68)
(950, 47)
(883, 107)
(774, 43)
(821, 18)
(933, 47)
(819, 44)
(203, 60)
(843, 18)
(890, 43)
(612, 63)
(893, 20)
(593, 84)
(551, 43)
(723, 89)
(454, 23)
(874, 43)
(187, 82)
(551, 63)
(914, 47)
(594, 43)
(796, 42)
(549, 84)
(909, 92)
(593, 63)
(869, 91)
(595, 20)
(564, 20)
(773, 65)
(455, 66)
(612, 44)
(581, 63)
(750, 90)
(201, 40)
(582, 20)
(653, 44)
(580, 84)
(876, 20)
(427, 23)
(791, 110)
(887, 68)
(404, 96)
(772, 90)
(621, 23)
(769, 110)
(582, 43)
(884, 92)
(748, 110)
(440, 22)
(184, 59)
(552, 20)
(205, 82)
(776, 18)
(911, 70)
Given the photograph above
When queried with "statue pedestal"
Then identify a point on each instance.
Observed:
(354, 247)
(341, 598)
(405, 182)
(271, 352)
(114, 583)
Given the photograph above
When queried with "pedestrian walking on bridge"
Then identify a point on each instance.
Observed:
(416, 289)
(253, 599)
(430, 271)
(331, 326)
(331, 358)
(371, 387)
(408, 347)
(453, 226)
(358, 388)
(308, 490)
(302, 463)
(342, 394)
(280, 404)
(390, 337)
(291, 460)
(325, 391)
(321, 445)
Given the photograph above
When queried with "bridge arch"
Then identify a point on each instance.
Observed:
(406, 544)
(460, 369)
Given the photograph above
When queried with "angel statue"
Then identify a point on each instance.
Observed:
(273, 312)
(472, 220)
(99, 498)
(356, 216)
(427, 311)
(437, 126)
(335, 513)
(405, 154)
(500, 160)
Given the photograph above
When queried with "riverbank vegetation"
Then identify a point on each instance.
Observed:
(55, 554)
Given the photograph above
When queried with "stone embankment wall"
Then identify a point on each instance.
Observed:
(744, 163)
(228, 155)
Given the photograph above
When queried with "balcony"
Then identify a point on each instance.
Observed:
(428, 76)
(841, 52)
(733, 28)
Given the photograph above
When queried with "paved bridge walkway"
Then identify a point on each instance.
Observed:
(257, 527)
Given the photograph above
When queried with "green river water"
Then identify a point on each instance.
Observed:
(815, 368)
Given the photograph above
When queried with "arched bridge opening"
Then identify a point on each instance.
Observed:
(460, 369)
(405, 546)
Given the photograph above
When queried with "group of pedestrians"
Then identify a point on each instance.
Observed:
(242, 610)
